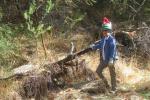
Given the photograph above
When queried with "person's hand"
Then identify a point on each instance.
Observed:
(91, 46)
(111, 62)
(72, 55)
(117, 57)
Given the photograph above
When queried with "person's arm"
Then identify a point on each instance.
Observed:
(97, 42)
(112, 51)
(96, 45)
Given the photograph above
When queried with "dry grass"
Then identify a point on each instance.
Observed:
(72, 94)
(7, 90)
(57, 47)
(129, 76)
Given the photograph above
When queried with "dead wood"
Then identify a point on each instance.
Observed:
(58, 63)
(54, 78)
(125, 38)
(15, 76)
(34, 87)
(71, 57)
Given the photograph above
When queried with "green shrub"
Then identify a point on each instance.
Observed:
(38, 28)
(8, 46)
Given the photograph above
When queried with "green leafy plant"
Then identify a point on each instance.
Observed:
(90, 2)
(72, 21)
(38, 29)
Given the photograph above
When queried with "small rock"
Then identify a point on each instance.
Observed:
(94, 87)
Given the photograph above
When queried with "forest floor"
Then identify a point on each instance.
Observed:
(132, 82)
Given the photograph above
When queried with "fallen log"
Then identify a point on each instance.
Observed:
(55, 77)
(16, 76)
(20, 72)
(72, 56)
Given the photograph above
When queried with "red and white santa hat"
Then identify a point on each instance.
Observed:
(106, 24)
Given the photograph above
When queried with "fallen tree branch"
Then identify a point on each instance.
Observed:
(71, 57)
(17, 76)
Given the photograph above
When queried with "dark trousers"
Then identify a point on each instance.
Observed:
(99, 71)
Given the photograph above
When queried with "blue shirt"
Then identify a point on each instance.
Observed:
(107, 46)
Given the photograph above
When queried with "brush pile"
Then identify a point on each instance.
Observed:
(54, 78)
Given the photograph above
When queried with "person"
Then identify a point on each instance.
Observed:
(107, 46)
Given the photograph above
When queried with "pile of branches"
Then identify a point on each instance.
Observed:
(54, 78)
(143, 41)
(135, 43)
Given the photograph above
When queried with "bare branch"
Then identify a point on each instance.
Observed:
(136, 2)
(72, 48)
(141, 5)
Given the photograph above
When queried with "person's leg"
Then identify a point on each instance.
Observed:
(99, 71)
(113, 77)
